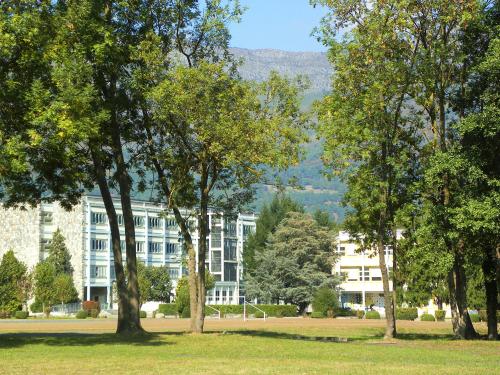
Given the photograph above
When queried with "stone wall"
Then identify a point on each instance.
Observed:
(20, 231)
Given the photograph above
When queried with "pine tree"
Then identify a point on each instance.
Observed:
(59, 255)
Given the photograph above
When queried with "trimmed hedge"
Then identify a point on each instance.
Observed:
(372, 315)
(475, 318)
(168, 309)
(277, 311)
(427, 318)
(143, 314)
(440, 315)
(317, 314)
(344, 312)
(82, 314)
(409, 313)
(21, 314)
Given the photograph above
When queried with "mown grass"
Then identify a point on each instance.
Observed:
(294, 346)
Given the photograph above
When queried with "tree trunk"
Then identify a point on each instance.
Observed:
(461, 322)
(490, 285)
(390, 330)
(121, 286)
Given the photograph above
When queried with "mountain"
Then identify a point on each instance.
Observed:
(317, 191)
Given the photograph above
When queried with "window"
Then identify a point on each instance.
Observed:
(230, 247)
(155, 247)
(113, 272)
(171, 248)
(229, 271)
(99, 272)
(139, 221)
(216, 237)
(44, 245)
(340, 250)
(154, 222)
(173, 273)
(139, 246)
(120, 219)
(216, 261)
(230, 229)
(353, 274)
(216, 220)
(388, 250)
(99, 245)
(123, 245)
(365, 276)
(247, 229)
(170, 223)
(46, 217)
(98, 218)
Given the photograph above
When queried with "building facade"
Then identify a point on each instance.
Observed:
(362, 279)
(158, 243)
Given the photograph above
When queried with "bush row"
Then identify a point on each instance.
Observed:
(271, 310)
(372, 315)
(407, 313)
(483, 315)
(427, 318)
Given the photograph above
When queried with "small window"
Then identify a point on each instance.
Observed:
(139, 221)
(364, 276)
(230, 229)
(45, 244)
(171, 248)
(247, 229)
(155, 247)
(120, 219)
(154, 222)
(100, 272)
(170, 223)
(46, 217)
(340, 250)
(139, 246)
(173, 273)
(99, 245)
(388, 250)
(98, 218)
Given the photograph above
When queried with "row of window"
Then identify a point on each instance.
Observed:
(360, 275)
(153, 247)
(340, 250)
(99, 272)
(98, 218)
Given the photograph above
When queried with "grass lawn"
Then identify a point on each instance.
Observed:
(284, 346)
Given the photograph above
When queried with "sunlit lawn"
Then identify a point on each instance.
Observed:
(287, 346)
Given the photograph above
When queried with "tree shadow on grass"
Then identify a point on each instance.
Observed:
(336, 339)
(13, 340)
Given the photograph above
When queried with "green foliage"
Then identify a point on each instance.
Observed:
(12, 274)
(296, 262)
(64, 290)
(269, 218)
(182, 297)
(94, 313)
(317, 314)
(325, 301)
(21, 315)
(143, 314)
(161, 286)
(59, 255)
(82, 314)
(372, 315)
(427, 318)
(36, 307)
(45, 274)
(360, 314)
(406, 313)
(168, 308)
(440, 315)
(475, 318)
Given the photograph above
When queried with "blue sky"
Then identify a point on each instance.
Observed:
(278, 24)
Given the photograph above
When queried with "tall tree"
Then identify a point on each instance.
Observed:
(64, 289)
(270, 216)
(59, 255)
(161, 285)
(368, 124)
(43, 278)
(297, 261)
(13, 274)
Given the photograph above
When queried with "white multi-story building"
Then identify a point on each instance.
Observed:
(158, 243)
(362, 286)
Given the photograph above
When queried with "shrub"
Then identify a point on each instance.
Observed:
(4, 314)
(21, 314)
(339, 311)
(143, 314)
(474, 318)
(168, 309)
(427, 318)
(409, 313)
(317, 314)
(325, 301)
(36, 307)
(82, 314)
(372, 315)
(483, 314)
(90, 305)
(258, 314)
(94, 313)
(360, 314)
(279, 310)
(186, 313)
(440, 315)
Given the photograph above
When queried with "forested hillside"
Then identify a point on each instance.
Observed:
(317, 191)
